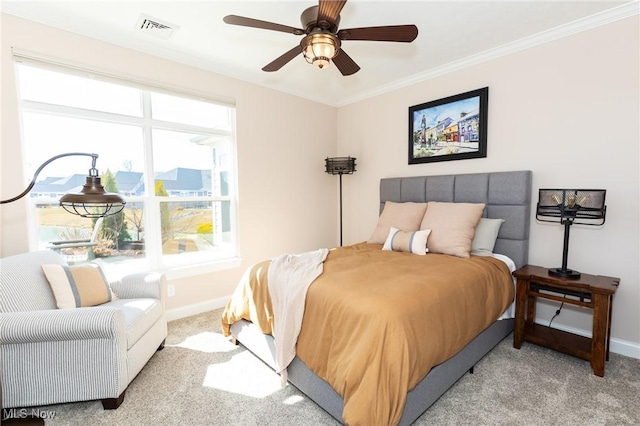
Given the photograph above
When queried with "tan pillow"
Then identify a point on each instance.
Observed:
(404, 216)
(411, 242)
(452, 226)
(77, 286)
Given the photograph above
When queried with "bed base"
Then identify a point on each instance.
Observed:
(434, 385)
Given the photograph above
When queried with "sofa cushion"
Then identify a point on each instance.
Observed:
(139, 316)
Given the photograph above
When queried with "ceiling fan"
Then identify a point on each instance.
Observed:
(322, 42)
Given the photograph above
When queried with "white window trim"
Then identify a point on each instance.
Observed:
(54, 64)
(83, 70)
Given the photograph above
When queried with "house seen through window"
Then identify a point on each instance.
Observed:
(169, 155)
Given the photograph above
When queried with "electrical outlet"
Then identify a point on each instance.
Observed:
(171, 290)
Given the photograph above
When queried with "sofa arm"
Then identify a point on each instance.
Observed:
(142, 285)
(61, 325)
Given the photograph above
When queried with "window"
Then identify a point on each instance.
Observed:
(171, 156)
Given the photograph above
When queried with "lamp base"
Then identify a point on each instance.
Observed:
(564, 273)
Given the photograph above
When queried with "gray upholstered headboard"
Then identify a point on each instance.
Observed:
(506, 194)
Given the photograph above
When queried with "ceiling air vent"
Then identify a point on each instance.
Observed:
(156, 27)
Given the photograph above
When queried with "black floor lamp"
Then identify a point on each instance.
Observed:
(340, 166)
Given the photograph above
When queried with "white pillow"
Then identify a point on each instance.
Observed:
(411, 242)
(486, 235)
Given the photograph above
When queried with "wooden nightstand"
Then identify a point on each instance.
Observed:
(589, 291)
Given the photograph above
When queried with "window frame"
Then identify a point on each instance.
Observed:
(154, 259)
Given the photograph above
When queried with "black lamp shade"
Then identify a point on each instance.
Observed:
(340, 165)
(581, 206)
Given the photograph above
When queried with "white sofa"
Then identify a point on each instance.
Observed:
(51, 355)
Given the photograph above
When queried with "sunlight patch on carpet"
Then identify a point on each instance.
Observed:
(242, 375)
(293, 399)
(207, 342)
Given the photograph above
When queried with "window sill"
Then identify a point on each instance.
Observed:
(201, 268)
(172, 272)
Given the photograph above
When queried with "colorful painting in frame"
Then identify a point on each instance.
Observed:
(452, 128)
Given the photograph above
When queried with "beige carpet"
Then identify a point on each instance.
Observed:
(200, 378)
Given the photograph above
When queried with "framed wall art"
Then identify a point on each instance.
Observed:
(452, 128)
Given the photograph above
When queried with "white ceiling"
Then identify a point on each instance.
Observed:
(451, 34)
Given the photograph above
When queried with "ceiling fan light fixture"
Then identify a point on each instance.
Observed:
(322, 43)
(318, 49)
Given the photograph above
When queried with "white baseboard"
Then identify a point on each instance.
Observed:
(196, 308)
(618, 346)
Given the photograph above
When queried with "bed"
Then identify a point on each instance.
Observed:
(506, 196)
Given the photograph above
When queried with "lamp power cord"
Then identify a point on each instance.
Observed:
(557, 312)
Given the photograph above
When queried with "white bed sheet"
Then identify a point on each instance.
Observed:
(511, 310)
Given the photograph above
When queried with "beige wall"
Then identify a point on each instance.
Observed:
(287, 202)
(567, 110)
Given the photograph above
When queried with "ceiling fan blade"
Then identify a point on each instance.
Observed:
(282, 60)
(345, 64)
(329, 10)
(402, 33)
(265, 25)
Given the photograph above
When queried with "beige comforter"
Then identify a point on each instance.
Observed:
(376, 322)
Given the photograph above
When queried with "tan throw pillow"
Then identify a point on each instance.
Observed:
(452, 226)
(404, 216)
(411, 242)
(77, 286)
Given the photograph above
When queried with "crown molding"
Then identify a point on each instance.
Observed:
(603, 18)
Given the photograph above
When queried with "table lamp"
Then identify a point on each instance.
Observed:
(569, 206)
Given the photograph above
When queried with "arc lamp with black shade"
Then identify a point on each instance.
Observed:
(92, 201)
